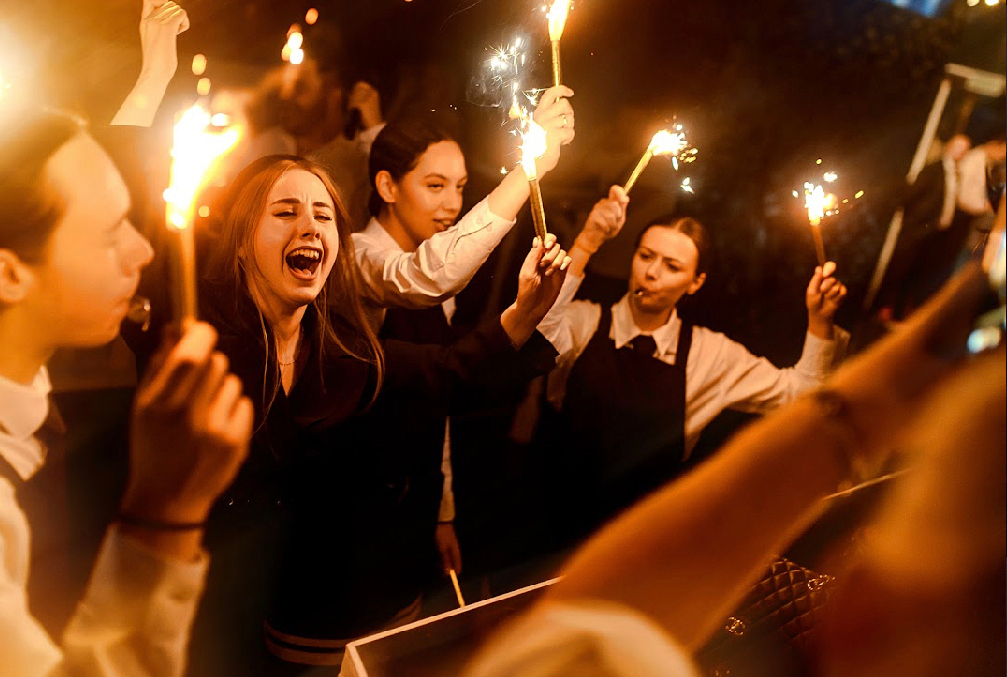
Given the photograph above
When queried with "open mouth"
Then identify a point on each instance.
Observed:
(443, 224)
(304, 261)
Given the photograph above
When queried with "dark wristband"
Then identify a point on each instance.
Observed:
(156, 525)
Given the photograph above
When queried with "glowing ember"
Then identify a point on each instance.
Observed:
(830, 176)
(687, 185)
(297, 56)
(311, 17)
(859, 194)
(203, 86)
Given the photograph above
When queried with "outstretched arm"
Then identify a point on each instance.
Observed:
(443, 264)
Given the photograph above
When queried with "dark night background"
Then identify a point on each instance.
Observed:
(764, 87)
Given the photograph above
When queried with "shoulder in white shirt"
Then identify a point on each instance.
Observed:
(137, 612)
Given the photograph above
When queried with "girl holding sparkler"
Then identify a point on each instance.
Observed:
(334, 462)
(639, 384)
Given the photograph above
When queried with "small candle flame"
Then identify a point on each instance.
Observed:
(557, 18)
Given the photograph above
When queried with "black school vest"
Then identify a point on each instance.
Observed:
(625, 414)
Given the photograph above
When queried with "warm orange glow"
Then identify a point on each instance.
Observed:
(203, 86)
(533, 146)
(667, 143)
(197, 147)
(557, 18)
(297, 56)
(311, 17)
(204, 211)
(198, 64)
(814, 202)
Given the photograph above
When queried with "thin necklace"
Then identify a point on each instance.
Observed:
(296, 343)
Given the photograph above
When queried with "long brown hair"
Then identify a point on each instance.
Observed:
(340, 322)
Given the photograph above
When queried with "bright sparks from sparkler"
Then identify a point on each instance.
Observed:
(665, 142)
(198, 145)
(557, 14)
(815, 201)
(820, 203)
(687, 185)
(533, 146)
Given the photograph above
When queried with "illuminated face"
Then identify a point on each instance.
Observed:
(296, 241)
(664, 269)
(95, 254)
(427, 200)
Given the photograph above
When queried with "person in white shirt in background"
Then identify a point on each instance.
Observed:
(414, 256)
(70, 261)
(654, 585)
(637, 385)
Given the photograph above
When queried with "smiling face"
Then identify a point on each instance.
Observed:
(428, 198)
(83, 287)
(664, 270)
(295, 242)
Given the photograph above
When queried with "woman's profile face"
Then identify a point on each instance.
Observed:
(428, 199)
(94, 256)
(296, 241)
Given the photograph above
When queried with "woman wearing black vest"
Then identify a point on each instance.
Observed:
(639, 384)
(334, 513)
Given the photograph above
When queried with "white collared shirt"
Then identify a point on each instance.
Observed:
(137, 612)
(720, 373)
(439, 268)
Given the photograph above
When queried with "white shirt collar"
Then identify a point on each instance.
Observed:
(625, 330)
(382, 240)
(23, 410)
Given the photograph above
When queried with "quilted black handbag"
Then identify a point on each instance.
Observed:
(773, 628)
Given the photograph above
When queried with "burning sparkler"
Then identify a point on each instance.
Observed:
(533, 146)
(815, 202)
(557, 21)
(198, 145)
(664, 143)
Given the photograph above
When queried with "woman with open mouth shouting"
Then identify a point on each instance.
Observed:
(337, 506)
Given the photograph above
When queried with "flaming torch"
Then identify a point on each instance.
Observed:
(533, 146)
(198, 145)
(557, 20)
(663, 143)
